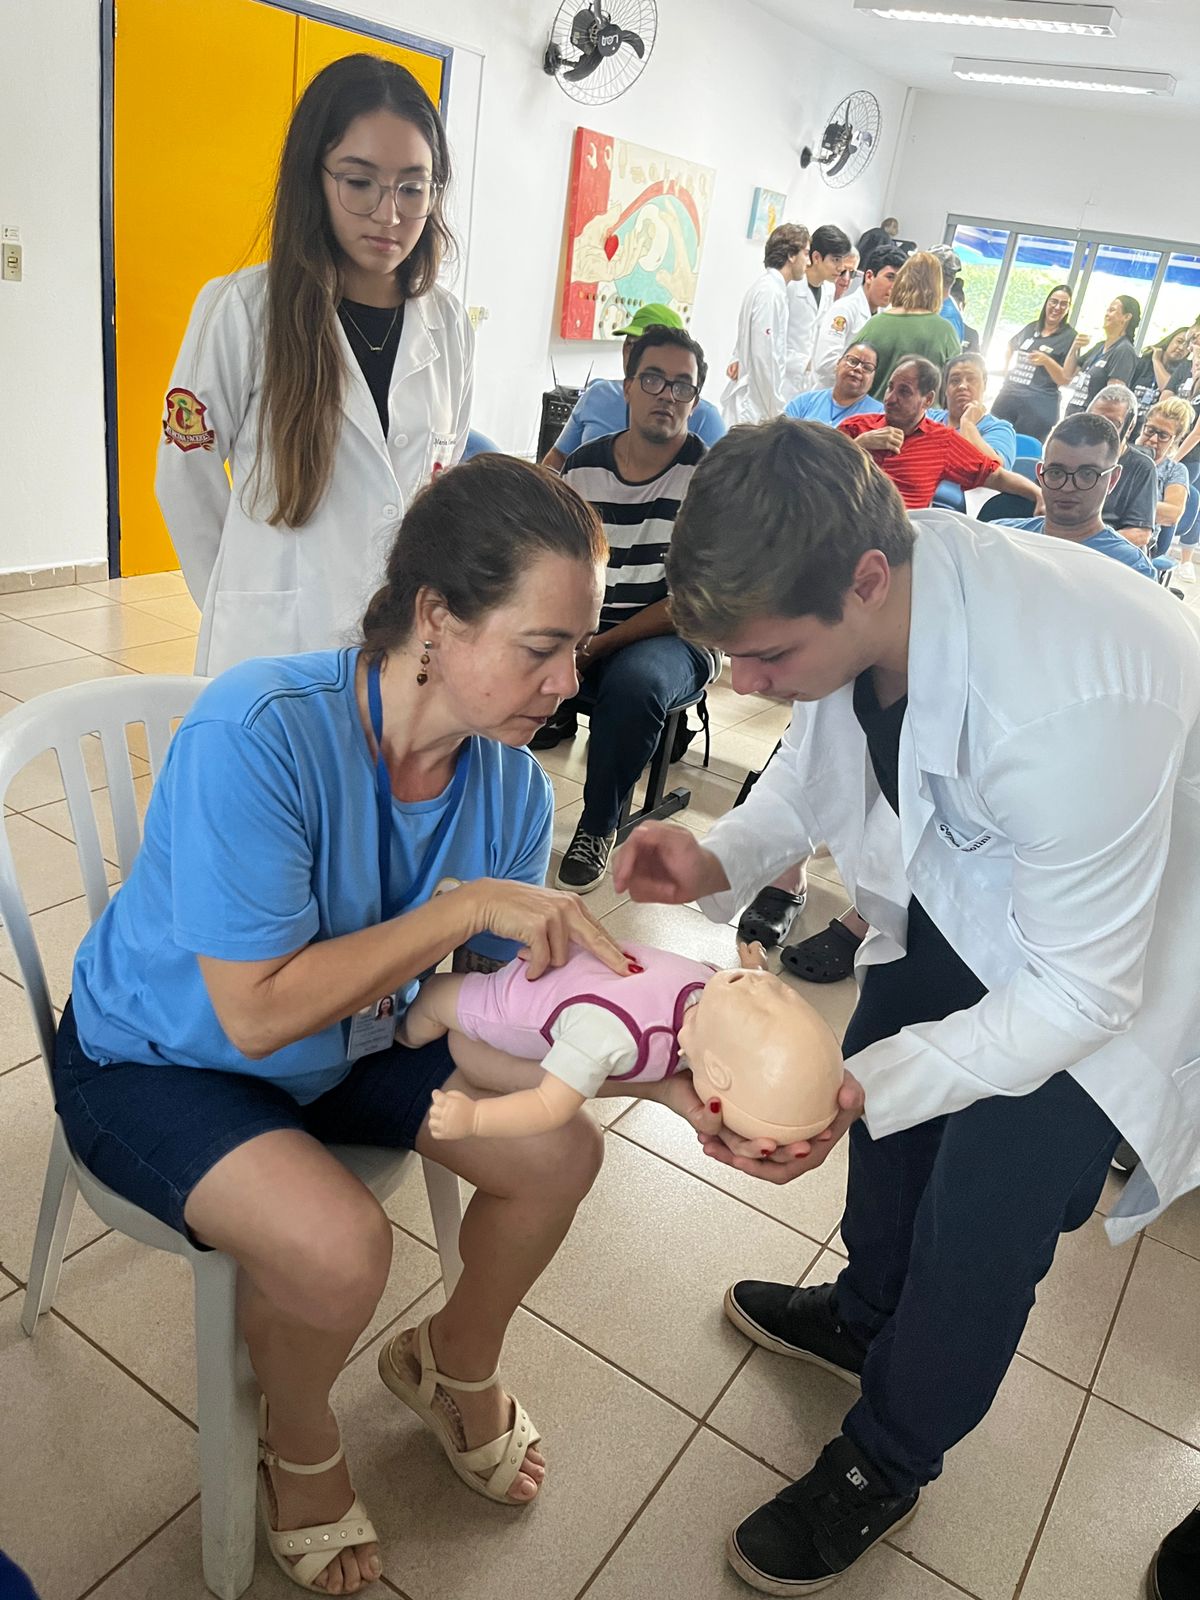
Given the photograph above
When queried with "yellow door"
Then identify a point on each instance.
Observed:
(201, 99)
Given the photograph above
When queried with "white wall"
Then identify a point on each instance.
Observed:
(728, 85)
(1020, 162)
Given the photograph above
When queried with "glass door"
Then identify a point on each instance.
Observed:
(1114, 269)
(1177, 303)
(983, 252)
(1039, 264)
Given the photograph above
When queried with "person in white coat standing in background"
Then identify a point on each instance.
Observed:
(335, 379)
(757, 374)
(811, 295)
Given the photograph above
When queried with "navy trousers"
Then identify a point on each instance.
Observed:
(949, 1228)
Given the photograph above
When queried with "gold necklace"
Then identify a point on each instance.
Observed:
(373, 348)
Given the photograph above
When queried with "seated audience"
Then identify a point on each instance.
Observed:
(1132, 498)
(963, 407)
(636, 668)
(849, 397)
(1112, 360)
(951, 268)
(757, 388)
(601, 409)
(1078, 470)
(808, 296)
(840, 326)
(917, 454)
(909, 324)
(1185, 385)
(1156, 367)
(1166, 426)
(1035, 367)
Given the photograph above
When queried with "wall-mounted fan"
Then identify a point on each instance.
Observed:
(849, 141)
(597, 51)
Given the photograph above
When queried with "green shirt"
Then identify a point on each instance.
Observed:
(893, 336)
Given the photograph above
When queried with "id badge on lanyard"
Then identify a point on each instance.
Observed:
(374, 1027)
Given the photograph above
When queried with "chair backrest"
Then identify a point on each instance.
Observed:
(1191, 511)
(1027, 466)
(949, 496)
(478, 444)
(1027, 445)
(58, 721)
(1004, 505)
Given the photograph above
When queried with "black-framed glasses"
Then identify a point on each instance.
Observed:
(653, 382)
(858, 363)
(1149, 432)
(362, 196)
(1056, 477)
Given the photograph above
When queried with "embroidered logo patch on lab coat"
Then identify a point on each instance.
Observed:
(183, 424)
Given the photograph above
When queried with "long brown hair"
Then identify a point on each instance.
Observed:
(304, 377)
(918, 285)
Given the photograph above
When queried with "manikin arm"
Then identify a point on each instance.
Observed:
(505, 1116)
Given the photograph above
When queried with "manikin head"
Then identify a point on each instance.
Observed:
(757, 1046)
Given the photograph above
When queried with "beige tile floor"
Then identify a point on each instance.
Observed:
(662, 1426)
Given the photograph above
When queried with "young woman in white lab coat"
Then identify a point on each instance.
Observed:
(334, 380)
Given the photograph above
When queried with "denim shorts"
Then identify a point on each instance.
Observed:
(151, 1132)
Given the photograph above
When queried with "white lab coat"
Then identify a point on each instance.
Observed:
(803, 315)
(837, 325)
(266, 590)
(758, 392)
(1049, 823)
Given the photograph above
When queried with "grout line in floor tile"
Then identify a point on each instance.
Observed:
(17, 1065)
(1189, 1444)
(1178, 1248)
(399, 1317)
(950, 1583)
(609, 1362)
(637, 1515)
(1112, 1326)
(1048, 1508)
(687, 1171)
(121, 1367)
(125, 1559)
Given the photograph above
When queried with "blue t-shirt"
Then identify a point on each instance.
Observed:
(601, 410)
(1106, 542)
(816, 405)
(994, 431)
(952, 315)
(262, 836)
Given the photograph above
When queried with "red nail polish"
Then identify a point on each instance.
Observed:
(714, 1106)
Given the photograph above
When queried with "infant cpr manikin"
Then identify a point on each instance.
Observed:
(543, 1048)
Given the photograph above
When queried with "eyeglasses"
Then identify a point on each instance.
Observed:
(858, 363)
(1157, 433)
(362, 196)
(1055, 477)
(655, 382)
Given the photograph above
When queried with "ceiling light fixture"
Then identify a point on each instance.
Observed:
(1046, 75)
(1040, 16)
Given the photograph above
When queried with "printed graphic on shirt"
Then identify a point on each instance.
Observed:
(183, 424)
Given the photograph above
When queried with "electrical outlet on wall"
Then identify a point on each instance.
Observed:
(11, 262)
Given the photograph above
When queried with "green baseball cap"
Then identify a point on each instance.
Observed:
(651, 316)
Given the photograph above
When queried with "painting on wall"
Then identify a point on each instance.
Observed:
(636, 220)
(765, 214)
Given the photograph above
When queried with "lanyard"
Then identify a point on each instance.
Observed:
(383, 798)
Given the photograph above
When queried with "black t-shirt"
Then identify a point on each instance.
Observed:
(1187, 388)
(1023, 375)
(1099, 366)
(934, 975)
(366, 327)
(1133, 503)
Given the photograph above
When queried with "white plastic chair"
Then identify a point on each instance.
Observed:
(227, 1397)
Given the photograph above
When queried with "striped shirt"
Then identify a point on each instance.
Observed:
(638, 519)
(931, 452)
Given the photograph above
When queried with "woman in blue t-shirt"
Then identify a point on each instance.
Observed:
(227, 1020)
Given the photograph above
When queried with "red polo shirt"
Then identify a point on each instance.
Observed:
(931, 452)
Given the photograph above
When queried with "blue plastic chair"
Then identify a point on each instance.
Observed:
(949, 496)
(1027, 465)
(1004, 505)
(1027, 445)
(1186, 526)
(478, 444)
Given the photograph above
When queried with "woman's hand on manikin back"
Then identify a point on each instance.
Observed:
(546, 923)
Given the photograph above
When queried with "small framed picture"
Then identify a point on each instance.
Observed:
(765, 214)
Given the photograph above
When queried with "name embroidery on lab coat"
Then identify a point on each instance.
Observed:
(947, 834)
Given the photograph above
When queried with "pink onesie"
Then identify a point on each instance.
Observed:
(552, 1019)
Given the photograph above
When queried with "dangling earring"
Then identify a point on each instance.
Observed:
(423, 675)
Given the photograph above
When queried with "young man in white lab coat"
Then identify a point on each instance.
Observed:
(810, 296)
(757, 388)
(998, 736)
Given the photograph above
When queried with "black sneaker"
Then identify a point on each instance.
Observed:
(801, 1323)
(555, 732)
(816, 1529)
(1175, 1570)
(584, 864)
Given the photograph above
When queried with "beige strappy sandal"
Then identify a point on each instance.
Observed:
(317, 1546)
(490, 1468)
